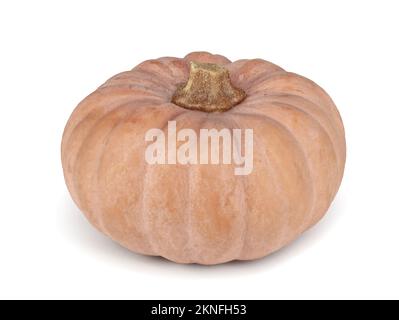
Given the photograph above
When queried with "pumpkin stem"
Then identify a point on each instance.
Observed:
(208, 89)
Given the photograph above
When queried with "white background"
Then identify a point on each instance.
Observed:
(53, 53)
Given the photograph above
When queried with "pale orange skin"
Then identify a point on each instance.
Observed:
(204, 213)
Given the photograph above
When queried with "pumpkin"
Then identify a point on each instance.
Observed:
(203, 212)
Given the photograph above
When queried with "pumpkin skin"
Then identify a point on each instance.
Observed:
(204, 213)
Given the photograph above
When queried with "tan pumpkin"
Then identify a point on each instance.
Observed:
(204, 213)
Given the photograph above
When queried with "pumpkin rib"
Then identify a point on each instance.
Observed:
(190, 214)
(145, 194)
(82, 121)
(325, 104)
(116, 107)
(210, 221)
(166, 66)
(325, 96)
(269, 164)
(256, 98)
(314, 119)
(135, 86)
(323, 129)
(136, 75)
(163, 69)
(119, 122)
(97, 171)
(338, 140)
(231, 124)
(156, 77)
(82, 151)
(145, 89)
(191, 172)
(178, 67)
(250, 66)
(332, 129)
(274, 97)
(263, 77)
(315, 90)
(245, 72)
(309, 172)
(90, 129)
(133, 235)
(169, 73)
(258, 111)
(86, 103)
(70, 183)
(73, 122)
(185, 222)
(94, 111)
(256, 62)
(265, 88)
(299, 147)
(243, 182)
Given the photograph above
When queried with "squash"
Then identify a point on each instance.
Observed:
(204, 212)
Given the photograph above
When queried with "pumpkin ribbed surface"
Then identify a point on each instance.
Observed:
(204, 213)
